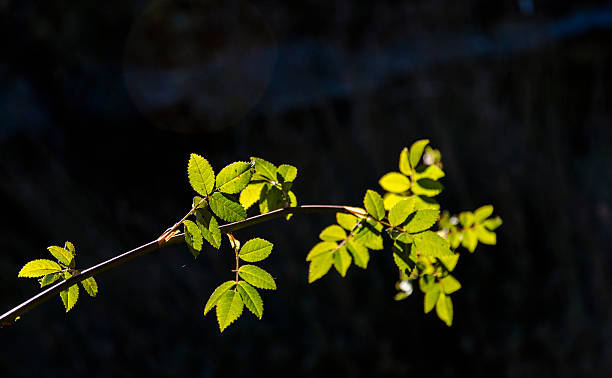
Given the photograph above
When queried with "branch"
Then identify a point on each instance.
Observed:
(9, 317)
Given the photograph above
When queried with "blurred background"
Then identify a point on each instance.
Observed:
(102, 103)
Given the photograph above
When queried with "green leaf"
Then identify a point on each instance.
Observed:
(226, 207)
(361, 255)
(425, 203)
(421, 220)
(429, 243)
(271, 199)
(251, 298)
(427, 187)
(431, 298)
(251, 194)
(428, 171)
(264, 169)
(450, 284)
(62, 255)
(255, 250)
(193, 237)
(332, 233)
(454, 239)
(401, 257)
(91, 286)
(449, 262)
(39, 268)
(394, 182)
(483, 213)
(229, 308)
(369, 235)
(404, 162)
(286, 173)
(401, 210)
(485, 236)
(219, 291)
(466, 218)
(201, 175)
(70, 247)
(347, 221)
(321, 248)
(257, 277)
(49, 279)
(319, 266)
(342, 260)
(427, 283)
(234, 177)
(492, 223)
(444, 309)
(469, 240)
(199, 203)
(416, 151)
(209, 227)
(390, 199)
(70, 297)
(374, 204)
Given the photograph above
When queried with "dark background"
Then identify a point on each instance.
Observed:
(101, 104)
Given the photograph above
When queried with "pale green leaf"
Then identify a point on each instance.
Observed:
(469, 240)
(483, 213)
(70, 297)
(454, 239)
(450, 284)
(193, 237)
(292, 203)
(199, 203)
(321, 248)
(209, 227)
(401, 210)
(444, 309)
(264, 169)
(39, 268)
(91, 286)
(251, 194)
(229, 308)
(450, 262)
(361, 255)
(401, 260)
(404, 162)
(416, 151)
(492, 223)
(49, 279)
(219, 291)
(369, 235)
(428, 171)
(421, 220)
(234, 177)
(70, 247)
(427, 187)
(319, 266)
(332, 233)
(394, 182)
(401, 296)
(257, 277)
(429, 243)
(466, 218)
(201, 175)
(431, 298)
(347, 221)
(390, 199)
(485, 236)
(62, 255)
(286, 173)
(342, 260)
(271, 199)
(226, 207)
(255, 250)
(427, 283)
(425, 203)
(251, 298)
(374, 204)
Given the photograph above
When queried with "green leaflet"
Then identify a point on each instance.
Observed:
(70, 297)
(427, 283)
(492, 223)
(319, 266)
(70, 247)
(201, 175)
(429, 243)
(469, 240)
(193, 237)
(271, 199)
(62, 255)
(347, 221)
(421, 220)
(404, 162)
(401, 258)
(209, 227)
(214, 297)
(251, 298)
(444, 309)
(427, 187)
(264, 169)
(431, 298)
(251, 194)
(39, 268)
(428, 171)
(255, 250)
(229, 308)
(425, 203)
(483, 213)
(450, 284)
(91, 286)
(454, 239)
(466, 218)
(342, 260)
(49, 279)
(369, 235)
(286, 173)
(199, 203)
(234, 177)
(401, 210)
(449, 262)
(374, 204)
(485, 236)
(226, 207)
(361, 255)
(321, 248)
(332, 233)
(257, 277)
(390, 199)
(394, 182)
(416, 151)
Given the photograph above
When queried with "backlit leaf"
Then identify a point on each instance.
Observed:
(431, 298)
(201, 175)
(91, 286)
(257, 277)
(428, 171)
(429, 243)
(209, 227)
(332, 233)
(425, 203)
(49, 279)
(342, 260)
(234, 177)
(70, 247)
(193, 236)
(347, 221)
(483, 213)
(251, 194)
(319, 266)
(404, 162)
(450, 284)
(264, 169)
(361, 255)
(444, 309)
(271, 199)
(427, 187)
(427, 282)
(374, 204)
(390, 199)
(450, 262)
(219, 291)
(39, 268)
(226, 207)
(369, 235)
(394, 182)
(286, 173)
(229, 308)
(492, 223)
(70, 297)
(485, 236)
(401, 210)
(321, 248)
(466, 218)
(251, 298)
(421, 220)
(469, 240)
(416, 151)
(255, 250)
(62, 255)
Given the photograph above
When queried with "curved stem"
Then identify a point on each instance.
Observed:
(9, 317)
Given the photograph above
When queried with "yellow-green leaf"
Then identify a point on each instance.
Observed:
(49, 279)
(342, 260)
(91, 286)
(360, 253)
(450, 284)
(251, 194)
(400, 211)
(62, 255)
(493, 223)
(319, 266)
(286, 173)
(431, 298)
(429, 243)
(450, 262)
(421, 220)
(483, 213)
(469, 240)
(234, 177)
(257, 277)
(416, 151)
(229, 308)
(251, 298)
(430, 171)
(394, 182)
(255, 250)
(209, 227)
(347, 221)
(70, 297)
(193, 236)
(321, 248)
(226, 207)
(332, 233)
(264, 169)
(466, 218)
(444, 309)
(404, 162)
(485, 236)
(219, 291)
(374, 204)
(201, 175)
(390, 199)
(39, 268)
(427, 187)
